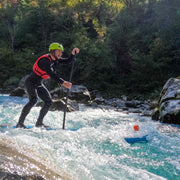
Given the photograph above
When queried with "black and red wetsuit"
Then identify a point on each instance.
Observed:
(43, 68)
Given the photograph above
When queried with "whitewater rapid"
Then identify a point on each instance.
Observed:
(97, 150)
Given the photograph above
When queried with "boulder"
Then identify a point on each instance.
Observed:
(80, 93)
(22, 82)
(20, 92)
(168, 109)
(155, 114)
(77, 92)
(99, 100)
(59, 105)
(133, 103)
(95, 94)
(116, 102)
(58, 93)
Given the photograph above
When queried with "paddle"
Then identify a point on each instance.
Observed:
(67, 94)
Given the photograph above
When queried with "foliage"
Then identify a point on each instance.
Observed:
(126, 46)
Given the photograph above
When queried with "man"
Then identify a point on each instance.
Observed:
(43, 68)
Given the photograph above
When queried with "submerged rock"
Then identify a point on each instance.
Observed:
(168, 109)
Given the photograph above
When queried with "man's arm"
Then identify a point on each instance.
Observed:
(71, 58)
(66, 61)
(45, 65)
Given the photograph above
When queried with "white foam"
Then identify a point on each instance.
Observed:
(97, 150)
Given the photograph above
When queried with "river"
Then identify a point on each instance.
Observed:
(97, 149)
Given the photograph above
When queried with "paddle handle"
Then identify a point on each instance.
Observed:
(67, 94)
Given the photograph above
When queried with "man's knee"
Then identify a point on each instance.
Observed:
(48, 102)
(33, 101)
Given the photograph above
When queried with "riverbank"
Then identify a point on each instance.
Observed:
(125, 105)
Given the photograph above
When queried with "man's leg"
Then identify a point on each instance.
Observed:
(44, 94)
(32, 101)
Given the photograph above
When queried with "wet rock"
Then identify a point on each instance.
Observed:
(125, 105)
(14, 176)
(80, 93)
(21, 163)
(133, 103)
(59, 105)
(18, 92)
(116, 102)
(168, 108)
(154, 103)
(22, 82)
(77, 92)
(95, 94)
(58, 93)
(134, 110)
(99, 100)
(170, 111)
(155, 114)
(94, 104)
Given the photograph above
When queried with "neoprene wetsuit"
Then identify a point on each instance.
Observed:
(35, 88)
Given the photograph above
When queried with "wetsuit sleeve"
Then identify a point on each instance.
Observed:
(45, 65)
(69, 60)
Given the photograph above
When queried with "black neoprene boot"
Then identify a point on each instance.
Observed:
(41, 125)
(21, 125)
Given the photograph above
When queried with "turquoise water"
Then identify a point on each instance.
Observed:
(97, 150)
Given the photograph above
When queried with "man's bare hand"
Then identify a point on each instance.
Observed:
(75, 51)
(67, 84)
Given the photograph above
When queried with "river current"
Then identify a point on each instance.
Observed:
(97, 149)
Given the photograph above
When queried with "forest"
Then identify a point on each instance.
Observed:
(127, 47)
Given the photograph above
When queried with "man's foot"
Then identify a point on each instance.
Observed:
(21, 125)
(42, 126)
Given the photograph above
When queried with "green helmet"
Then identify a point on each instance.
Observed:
(54, 46)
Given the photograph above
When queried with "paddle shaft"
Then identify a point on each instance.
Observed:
(67, 94)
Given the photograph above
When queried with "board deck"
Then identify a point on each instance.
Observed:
(136, 139)
(6, 126)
